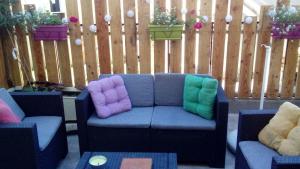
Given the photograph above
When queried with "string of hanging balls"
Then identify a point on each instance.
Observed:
(131, 14)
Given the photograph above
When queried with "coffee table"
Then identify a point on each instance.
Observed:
(114, 159)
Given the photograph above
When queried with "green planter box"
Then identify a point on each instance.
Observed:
(164, 32)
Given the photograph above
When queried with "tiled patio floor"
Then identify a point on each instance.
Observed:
(72, 158)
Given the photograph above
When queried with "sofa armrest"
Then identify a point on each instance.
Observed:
(221, 109)
(20, 143)
(40, 103)
(84, 109)
(251, 122)
(221, 118)
(286, 162)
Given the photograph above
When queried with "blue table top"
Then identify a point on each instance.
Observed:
(114, 159)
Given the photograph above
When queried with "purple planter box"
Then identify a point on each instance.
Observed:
(292, 34)
(51, 32)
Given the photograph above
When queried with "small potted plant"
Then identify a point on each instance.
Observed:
(165, 25)
(46, 26)
(285, 22)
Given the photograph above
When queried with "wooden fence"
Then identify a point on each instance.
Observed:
(231, 52)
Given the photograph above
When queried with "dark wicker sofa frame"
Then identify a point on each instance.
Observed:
(193, 146)
(19, 147)
(247, 131)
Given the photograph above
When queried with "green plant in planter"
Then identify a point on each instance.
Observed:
(165, 25)
(36, 18)
(8, 22)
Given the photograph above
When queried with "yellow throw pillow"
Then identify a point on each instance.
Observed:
(283, 131)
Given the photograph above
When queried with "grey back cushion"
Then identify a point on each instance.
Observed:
(6, 97)
(169, 89)
(140, 88)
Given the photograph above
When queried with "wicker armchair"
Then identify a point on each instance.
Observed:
(25, 145)
(251, 153)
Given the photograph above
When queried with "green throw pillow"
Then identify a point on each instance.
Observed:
(199, 95)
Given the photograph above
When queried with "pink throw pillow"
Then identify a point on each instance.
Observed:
(109, 96)
(7, 115)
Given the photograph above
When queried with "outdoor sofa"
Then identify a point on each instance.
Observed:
(156, 123)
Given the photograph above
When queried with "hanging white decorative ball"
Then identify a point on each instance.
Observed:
(248, 20)
(107, 18)
(78, 42)
(93, 28)
(130, 13)
(184, 11)
(65, 20)
(228, 18)
(14, 53)
(205, 18)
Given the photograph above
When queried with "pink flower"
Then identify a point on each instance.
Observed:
(198, 25)
(73, 19)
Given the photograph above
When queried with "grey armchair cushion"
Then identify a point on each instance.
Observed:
(47, 127)
(258, 156)
(140, 88)
(138, 117)
(6, 97)
(175, 117)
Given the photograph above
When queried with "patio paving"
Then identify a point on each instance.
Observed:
(73, 156)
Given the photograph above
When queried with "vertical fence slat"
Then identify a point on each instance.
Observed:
(64, 62)
(144, 38)
(263, 38)
(3, 77)
(297, 94)
(130, 37)
(36, 52)
(22, 46)
(275, 63)
(89, 40)
(190, 42)
(13, 65)
(236, 10)
(116, 36)
(176, 48)
(219, 38)
(159, 47)
(102, 37)
(275, 68)
(205, 38)
(248, 48)
(51, 64)
(289, 73)
(76, 51)
(37, 58)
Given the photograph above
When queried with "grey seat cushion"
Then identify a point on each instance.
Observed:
(6, 97)
(138, 117)
(175, 117)
(47, 127)
(258, 156)
(140, 88)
